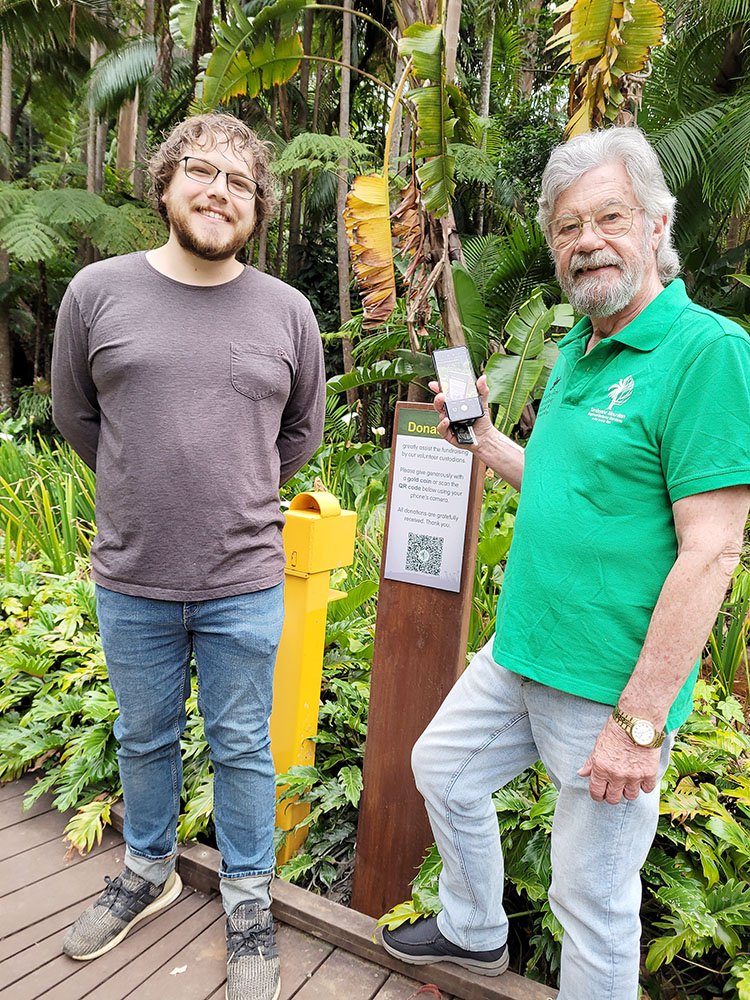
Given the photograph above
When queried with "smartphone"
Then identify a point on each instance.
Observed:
(458, 383)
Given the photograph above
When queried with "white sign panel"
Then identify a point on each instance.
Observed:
(429, 501)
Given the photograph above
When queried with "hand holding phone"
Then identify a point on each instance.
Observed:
(458, 384)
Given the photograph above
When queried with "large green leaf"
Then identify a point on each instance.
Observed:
(435, 130)
(526, 329)
(247, 58)
(182, 17)
(511, 380)
(424, 44)
(639, 35)
(472, 312)
(403, 369)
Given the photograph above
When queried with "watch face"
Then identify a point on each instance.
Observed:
(643, 732)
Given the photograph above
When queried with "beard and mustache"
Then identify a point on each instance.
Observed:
(592, 296)
(213, 247)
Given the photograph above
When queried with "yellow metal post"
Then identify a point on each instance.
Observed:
(318, 537)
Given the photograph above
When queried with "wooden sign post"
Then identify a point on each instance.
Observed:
(420, 651)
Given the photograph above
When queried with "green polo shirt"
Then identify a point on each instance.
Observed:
(654, 413)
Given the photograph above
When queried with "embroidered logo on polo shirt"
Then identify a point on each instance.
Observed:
(618, 393)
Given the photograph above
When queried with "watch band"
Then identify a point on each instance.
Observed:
(627, 722)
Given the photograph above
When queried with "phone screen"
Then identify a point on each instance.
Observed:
(458, 382)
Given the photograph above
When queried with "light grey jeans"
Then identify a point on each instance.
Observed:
(492, 726)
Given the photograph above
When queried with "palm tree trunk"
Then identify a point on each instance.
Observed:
(6, 109)
(530, 33)
(452, 23)
(295, 208)
(485, 79)
(141, 133)
(126, 133)
(345, 309)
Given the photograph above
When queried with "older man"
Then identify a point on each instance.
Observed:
(635, 494)
(195, 386)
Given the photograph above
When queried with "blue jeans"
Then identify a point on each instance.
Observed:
(489, 729)
(148, 645)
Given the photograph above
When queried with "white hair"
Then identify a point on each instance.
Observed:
(630, 147)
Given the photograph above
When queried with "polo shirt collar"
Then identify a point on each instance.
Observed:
(646, 331)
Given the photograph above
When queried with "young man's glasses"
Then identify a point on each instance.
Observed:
(238, 185)
(612, 221)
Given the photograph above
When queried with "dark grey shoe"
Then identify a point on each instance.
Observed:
(253, 968)
(421, 943)
(127, 900)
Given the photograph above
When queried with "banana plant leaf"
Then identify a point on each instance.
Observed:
(639, 35)
(368, 231)
(402, 369)
(247, 58)
(435, 131)
(424, 44)
(511, 378)
(182, 17)
(527, 327)
(604, 39)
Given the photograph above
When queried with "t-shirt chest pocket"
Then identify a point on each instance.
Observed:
(259, 371)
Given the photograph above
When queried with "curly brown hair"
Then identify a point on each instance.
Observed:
(214, 130)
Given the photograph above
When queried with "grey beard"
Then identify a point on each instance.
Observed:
(587, 296)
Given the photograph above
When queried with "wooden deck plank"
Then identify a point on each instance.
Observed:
(46, 859)
(45, 961)
(56, 892)
(354, 931)
(12, 811)
(17, 787)
(400, 988)
(344, 975)
(22, 837)
(88, 976)
(204, 960)
(301, 956)
(161, 951)
(310, 930)
(38, 932)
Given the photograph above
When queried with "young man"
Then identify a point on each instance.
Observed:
(194, 385)
(634, 498)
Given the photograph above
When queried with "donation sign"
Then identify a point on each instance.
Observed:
(429, 500)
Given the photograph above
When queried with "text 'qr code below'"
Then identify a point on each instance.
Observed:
(424, 554)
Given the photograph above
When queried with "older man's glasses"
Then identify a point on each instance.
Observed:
(611, 221)
(238, 185)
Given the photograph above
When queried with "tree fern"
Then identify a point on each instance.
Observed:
(310, 151)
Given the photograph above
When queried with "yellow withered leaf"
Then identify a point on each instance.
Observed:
(368, 232)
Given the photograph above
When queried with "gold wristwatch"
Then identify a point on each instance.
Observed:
(642, 732)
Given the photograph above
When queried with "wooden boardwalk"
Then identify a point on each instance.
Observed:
(179, 954)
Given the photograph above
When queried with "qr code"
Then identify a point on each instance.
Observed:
(424, 554)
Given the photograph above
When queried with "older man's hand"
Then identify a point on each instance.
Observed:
(618, 768)
(483, 427)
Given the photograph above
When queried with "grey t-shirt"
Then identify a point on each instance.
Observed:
(193, 404)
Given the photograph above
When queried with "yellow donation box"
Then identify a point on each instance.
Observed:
(318, 537)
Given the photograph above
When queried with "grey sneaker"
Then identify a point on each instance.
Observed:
(126, 900)
(253, 968)
(421, 943)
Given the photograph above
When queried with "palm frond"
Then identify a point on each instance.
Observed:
(116, 74)
(525, 265)
(729, 154)
(681, 145)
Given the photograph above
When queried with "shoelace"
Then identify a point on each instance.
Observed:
(249, 940)
(117, 896)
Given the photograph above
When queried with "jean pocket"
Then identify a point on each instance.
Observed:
(258, 371)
